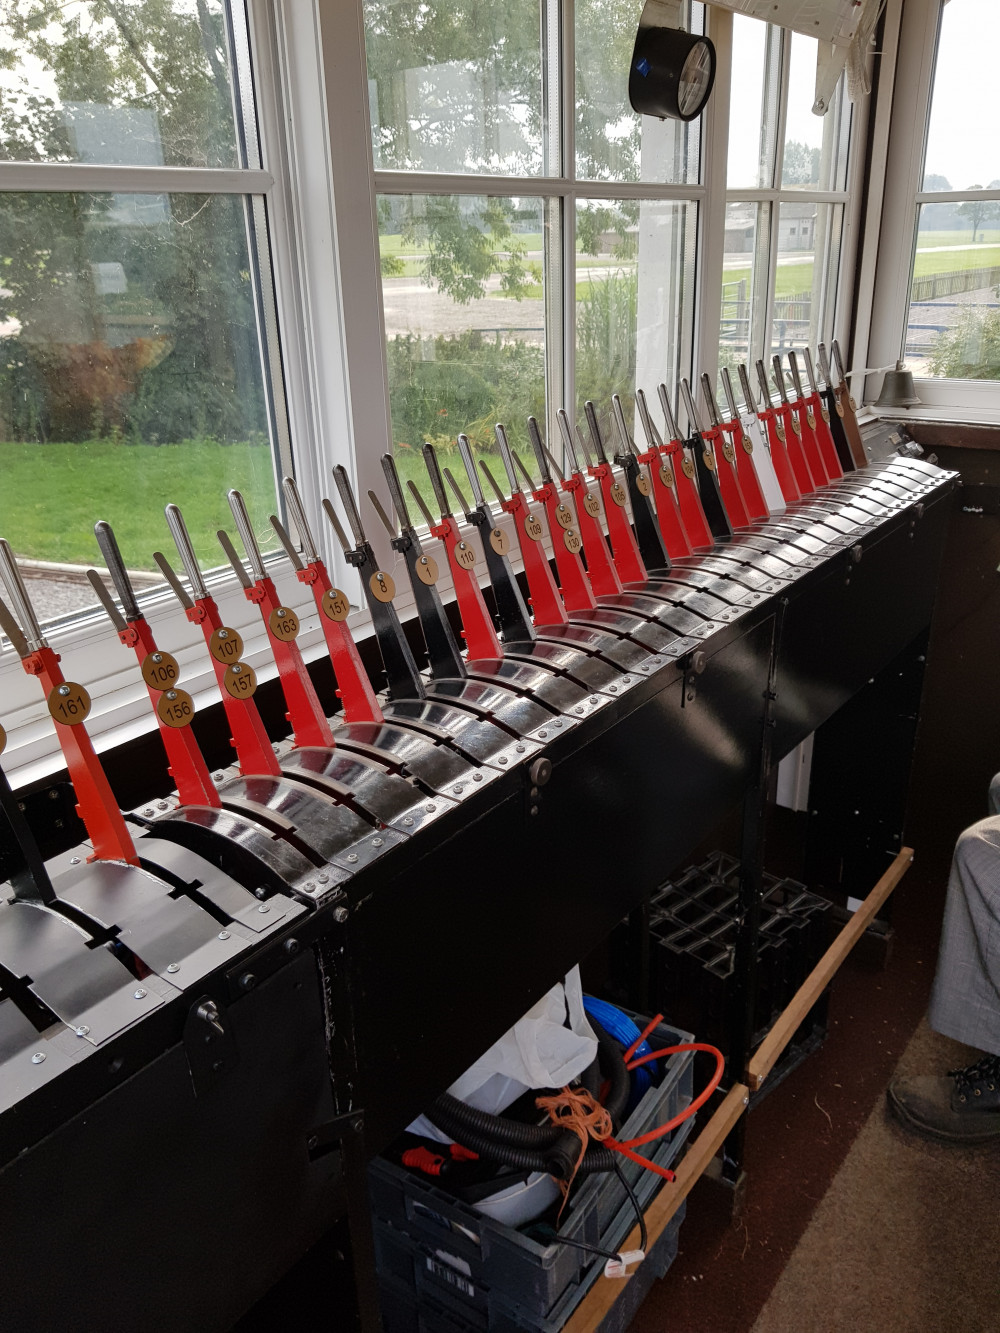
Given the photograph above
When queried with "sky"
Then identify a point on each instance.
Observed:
(964, 139)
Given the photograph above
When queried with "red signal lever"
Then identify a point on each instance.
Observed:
(237, 680)
(543, 595)
(305, 713)
(661, 469)
(743, 448)
(354, 688)
(804, 478)
(567, 543)
(807, 426)
(173, 706)
(688, 497)
(479, 631)
(624, 546)
(824, 435)
(601, 573)
(69, 705)
(775, 427)
(725, 460)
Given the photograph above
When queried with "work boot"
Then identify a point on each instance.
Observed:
(963, 1107)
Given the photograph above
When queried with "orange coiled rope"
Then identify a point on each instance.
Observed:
(576, 1109)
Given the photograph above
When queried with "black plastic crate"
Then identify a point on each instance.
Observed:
(417, 1221)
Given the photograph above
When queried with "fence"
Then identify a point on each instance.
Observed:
(950, 284)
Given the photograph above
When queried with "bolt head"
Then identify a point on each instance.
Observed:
(223, 934)
(477, 777)
(502, 759)
(173, 967)
(74, 860)
(63, 689)
(340, 914)
(171, 694)
(378, 842)
(352, 857)
(263, 909)
(408, 821)
(248, 981)
(431, 809)
(519, 749)
(82, 1030)
(38, 1057)
(139, 994)
(543, 735)
(157, 657)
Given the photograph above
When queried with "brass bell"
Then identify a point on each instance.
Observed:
(897, 389)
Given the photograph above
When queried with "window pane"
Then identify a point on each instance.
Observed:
(963, 140)
(744, 282)
(953, 330)
(463, 291)
(612, 142)
(635, 290)
(140, 84)
(806, 283)
(815, 153)
(130, 375)
(455, 85)
(753, 110)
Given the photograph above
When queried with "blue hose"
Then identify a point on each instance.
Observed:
(624, 1031)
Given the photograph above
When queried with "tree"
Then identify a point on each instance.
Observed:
(978, 211)
(971, 349)
(800, 164)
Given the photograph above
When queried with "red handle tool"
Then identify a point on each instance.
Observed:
(695, 522)
(543, 595)
(725, 461)
(478, 630)
(661, 469)
(172, 705)
(624, 546)
(68, 705)
(354, 688)
(237, 681)
(807, 425)
(824, 435)
(776, 434)
(577, 593)
(743, 448)
(601, 573)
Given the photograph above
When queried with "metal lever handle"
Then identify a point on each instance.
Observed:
(387, 522)
(810, 372)
(180, 592)
(232, 555)
(585, 448)
(107, 601)
(711, 402)
(457, 491)
(437, 481)
(694, 424)
(554, 465)
(12, 629)
(19, 597)
(284, 536)
(182, 540)
(501, 436)
(108, 543)
(793, 362)
(465, 449)
(653, 438)
(337, 526)
(412, 488)
(765, 386)
(668, 411)
(501, 498)
(538, 448)
(567, 438)
(343, 483)
(595, 431)
(624, 438)
(245, 528)
(298, 513)
(748, 398)
(526, 475)
(835, 349)
(824, 366)
(779, 379)
(727, 388)
(396, 492)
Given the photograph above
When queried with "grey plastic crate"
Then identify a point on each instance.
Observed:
(424, 1306)
(488, 1256)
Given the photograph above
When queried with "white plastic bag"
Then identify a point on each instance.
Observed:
(550, 1046)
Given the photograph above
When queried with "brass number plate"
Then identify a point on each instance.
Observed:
(592, 505)
(533, 528)
(382, 586)
(747, 444)
(240, 681)
(69, 703)
(572, 540)
(642, 484)
(840, 408)
(500, 541)
(160, 670)
(226, 646)
(175, 708)
(465, 555)
(563, 516)
(709, 459)
(687, 467)
(811, 418)
(427, 570)
(729, 452)
(779, 430)
(3, 740)
(667, 475)
(618, 494)
(335, 604)
(796, 424)
(283, 624)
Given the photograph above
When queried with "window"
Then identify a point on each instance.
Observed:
(786, 198)
(537, 240)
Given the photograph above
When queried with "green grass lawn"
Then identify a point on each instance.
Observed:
(52, 494)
